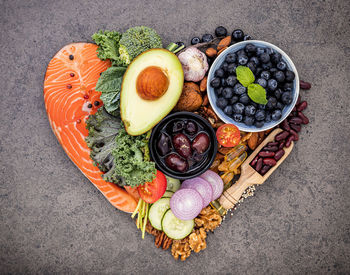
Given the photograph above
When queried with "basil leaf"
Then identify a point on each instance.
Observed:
(257, 93)
(244, 75)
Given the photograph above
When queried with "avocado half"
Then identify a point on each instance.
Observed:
(150, 70)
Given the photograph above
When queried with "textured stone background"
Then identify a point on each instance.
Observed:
(53, 220)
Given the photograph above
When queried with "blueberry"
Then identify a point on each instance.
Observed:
(289, 75)
(239, 89)
(261, 106)
(278, 93)
(267, 117)
(238, 108)
(221, 102)
(272, 84)
(228, 110)
(237, 117)
(276, 57)
(260, 51)
(271, 103)
(233, 99)
(264, 58)
(280, 105)
(248, 120)
(224, 66)
(218, 91)
(231, 80)
(219, 73)
(241, 52)
(269, 51)
(215, 83)
(279, 75)
(237, 35)
(251, 102)
(250, 48)
(276, 115)
(242, 60)
(281, 65)
(244, 98)
(258, 71)
(249, 110)
(220, 31)
(265, 75)
(227, 92)
(260, 115)
(223, 82)
(231, 68)
(287, 98)
(273, 70)
(207, 37)
(195, 40)
(247, 37)
(231, 58)
(251, 66)
(266, 66)
(259, 124)
(262, 82)
(255, 60)
(288, 86)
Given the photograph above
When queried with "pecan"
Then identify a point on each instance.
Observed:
(159, 239)
(151, 230)
(211, 52)
(167, 243)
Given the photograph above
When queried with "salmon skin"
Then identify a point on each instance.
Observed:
(70, 97)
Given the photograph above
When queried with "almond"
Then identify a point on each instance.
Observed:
(203, 84)
(205, 100)
(225, 42)
(224, 48)
(253, 141)
(210, 52)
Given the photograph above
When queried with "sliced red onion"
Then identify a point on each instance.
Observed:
(216, 183)
(186, 204)
(202, 186)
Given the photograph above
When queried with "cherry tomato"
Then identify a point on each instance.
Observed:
(228, 135)
(152, 191)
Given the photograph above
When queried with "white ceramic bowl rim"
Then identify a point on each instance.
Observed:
(212, 97)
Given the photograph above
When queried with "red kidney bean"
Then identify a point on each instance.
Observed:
(296, 120)
(265, 154)
(285, 125)
(303, 118)
(269, 161)
(279, 154)
(295, 127)
(254, 161)
(295, 134)
(272, 144)
(289, 140)
(281, 145)
(294, 109)
(282, 135)
(302, 106)
(265, 169)
(298, 100)
(305, 85)
(259, 164)
(270, 148)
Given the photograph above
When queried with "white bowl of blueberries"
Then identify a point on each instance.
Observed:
(273, 70)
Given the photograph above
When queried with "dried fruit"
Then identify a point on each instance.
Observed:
(208, 218)
(181, 248)
(190, 99)
(197, 240)
(211, 52)
(225, 42)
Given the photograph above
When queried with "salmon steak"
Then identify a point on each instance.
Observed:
(70, 97)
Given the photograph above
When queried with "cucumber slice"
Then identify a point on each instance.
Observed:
(172, 184)
(174, 228)
(168, 194)
(157, 211)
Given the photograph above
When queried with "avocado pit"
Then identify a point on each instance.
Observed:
(152, 83)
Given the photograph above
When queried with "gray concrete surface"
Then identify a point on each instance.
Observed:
(54, 221)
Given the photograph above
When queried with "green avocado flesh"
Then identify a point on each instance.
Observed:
(140, 115)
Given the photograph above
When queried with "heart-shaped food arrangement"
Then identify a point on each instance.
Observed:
(108, 104)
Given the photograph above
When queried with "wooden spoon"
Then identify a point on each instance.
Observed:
(249, 176)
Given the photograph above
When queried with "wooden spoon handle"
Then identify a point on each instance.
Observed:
(232, 195)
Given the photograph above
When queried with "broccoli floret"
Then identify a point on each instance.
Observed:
(108, 42)
(137, 40)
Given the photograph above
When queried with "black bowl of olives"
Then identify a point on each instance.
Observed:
(183, 145)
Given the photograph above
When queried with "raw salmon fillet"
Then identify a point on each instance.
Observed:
(70, 97)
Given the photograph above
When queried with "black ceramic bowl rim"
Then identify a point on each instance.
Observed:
(211, 154)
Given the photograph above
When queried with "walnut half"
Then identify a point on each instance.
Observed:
(209, 219)
(197, 240)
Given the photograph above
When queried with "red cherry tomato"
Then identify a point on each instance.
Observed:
(228, 135)
(152, 191)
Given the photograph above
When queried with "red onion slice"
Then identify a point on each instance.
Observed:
(202, 187)
(186, 204)
(216, 183)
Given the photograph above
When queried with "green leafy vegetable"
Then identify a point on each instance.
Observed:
(108, 42)
(124, 159)
(244, 75)
(257, 93)
(136, 40)
(109, 84)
